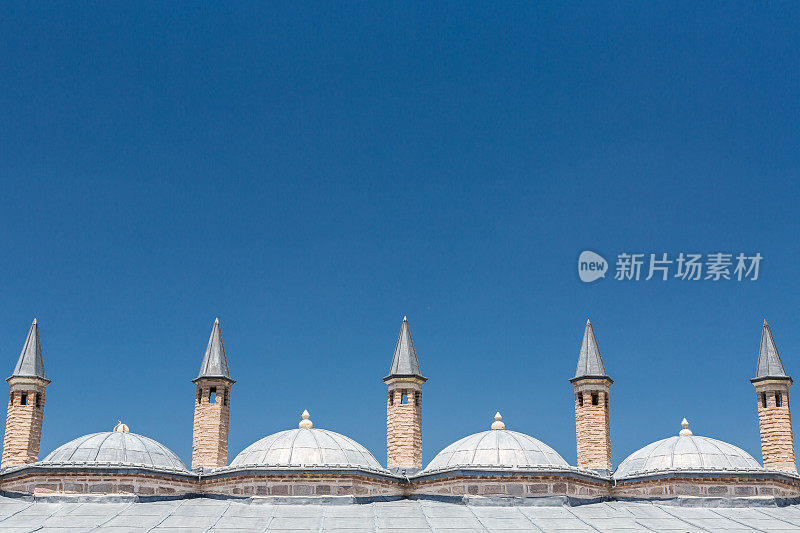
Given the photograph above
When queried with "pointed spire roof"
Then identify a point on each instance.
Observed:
(215, 364)
(590, 363)
(405, 362)
(769, 362)
(30, 362)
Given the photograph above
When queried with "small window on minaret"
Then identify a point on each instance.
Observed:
(225, 396)
(37, 400)
(212, 395)
(763, 400)
(580, 400)
(23, 399)
(777, 399)
(404, 399)
(199, 395)
(417, 402)
(391, 397)
(595, 400)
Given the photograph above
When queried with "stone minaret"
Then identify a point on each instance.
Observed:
(212, 406)
(404, 406)
(774, 418)
(592, 426)
(25, 404)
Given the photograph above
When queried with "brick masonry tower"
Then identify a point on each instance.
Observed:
(404, 406)
(592, 425)
(25, 404)
(774, 417)
(212, 406)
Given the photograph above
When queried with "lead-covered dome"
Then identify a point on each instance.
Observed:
(307, 447)
(497, 448)
(118, 447)
(686, 452)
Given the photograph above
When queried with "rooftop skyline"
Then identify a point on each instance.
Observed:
(312, 174)
(404, 362)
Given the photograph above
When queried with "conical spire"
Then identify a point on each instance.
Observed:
(405, 362)
(30, 363)
(215, 364)
(590, 363)
(769, 362)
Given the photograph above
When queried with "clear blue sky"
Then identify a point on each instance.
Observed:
(310, 174)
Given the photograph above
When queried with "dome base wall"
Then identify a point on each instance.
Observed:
(38, 481)
(516, 488)
(301, 484)
(671, 486)
(511, 485)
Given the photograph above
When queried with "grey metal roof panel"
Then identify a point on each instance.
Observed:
(392, 516)
(405, 362)
(215, 363)
(769, 361)
(30, 362)
(590, 362)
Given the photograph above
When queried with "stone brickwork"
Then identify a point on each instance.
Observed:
(33, 479)
(404, 424)
(23, 421)
(210, 431)
(592, 423)
(516, 485)
(707, 486)
(300, 484)
(775, 423)
(97, 482)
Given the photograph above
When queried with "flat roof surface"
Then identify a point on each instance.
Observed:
(227, 516)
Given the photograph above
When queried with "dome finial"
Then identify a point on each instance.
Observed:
(121, 428)
(498, 421)
(305, 423)
(685, 432)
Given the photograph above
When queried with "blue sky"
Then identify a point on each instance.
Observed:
(310, 174)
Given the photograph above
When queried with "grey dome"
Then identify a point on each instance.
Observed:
(497, 448)
(692, 453)
(308, 447)
(115, 448)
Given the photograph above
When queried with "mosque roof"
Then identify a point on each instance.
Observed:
(307, 447)
(115, 448)
(686, 453)
(497, 448)
(335, 515)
